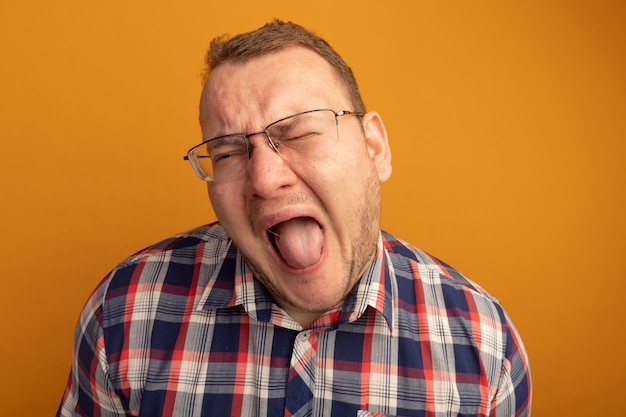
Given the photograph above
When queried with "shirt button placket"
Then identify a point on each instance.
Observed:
(301, 381)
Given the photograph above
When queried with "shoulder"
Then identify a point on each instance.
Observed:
(410, 260)
(448, 298)
(177, 266)
(439, 286)
(461, 315)
(211, 235)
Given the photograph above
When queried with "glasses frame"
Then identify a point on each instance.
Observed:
(193, 158)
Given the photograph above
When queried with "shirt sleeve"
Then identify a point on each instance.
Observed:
(514, 391)
(89, 391)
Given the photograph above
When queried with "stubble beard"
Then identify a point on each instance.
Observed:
(363, 252)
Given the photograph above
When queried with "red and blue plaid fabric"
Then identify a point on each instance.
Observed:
(183, 329)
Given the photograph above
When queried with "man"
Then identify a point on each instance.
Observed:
(295, 303)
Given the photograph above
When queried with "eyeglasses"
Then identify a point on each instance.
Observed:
(294, 137)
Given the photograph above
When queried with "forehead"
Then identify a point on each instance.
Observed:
(239, 96)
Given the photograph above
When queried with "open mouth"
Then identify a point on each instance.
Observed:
(298, 241)
(272, 235)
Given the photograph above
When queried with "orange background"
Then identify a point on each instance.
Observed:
(507, 123)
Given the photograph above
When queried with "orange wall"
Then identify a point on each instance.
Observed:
(507, 122)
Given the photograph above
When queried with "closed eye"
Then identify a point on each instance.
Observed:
(294, 137)
(224, 156)
(227, 147)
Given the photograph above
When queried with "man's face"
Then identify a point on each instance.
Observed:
(324, 208)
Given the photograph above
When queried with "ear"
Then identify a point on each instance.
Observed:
(377, 144)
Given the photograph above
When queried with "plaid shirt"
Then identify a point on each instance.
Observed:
(184, 329)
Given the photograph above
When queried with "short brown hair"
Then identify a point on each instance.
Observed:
(274, 36)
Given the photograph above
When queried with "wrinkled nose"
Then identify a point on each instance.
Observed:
(268, 173)
(272, 144)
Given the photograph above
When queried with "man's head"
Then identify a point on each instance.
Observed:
(307, 222)
(278, 35)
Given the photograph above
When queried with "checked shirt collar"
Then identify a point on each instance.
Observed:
(375, 289)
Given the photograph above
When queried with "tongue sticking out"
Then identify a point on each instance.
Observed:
(299, 241)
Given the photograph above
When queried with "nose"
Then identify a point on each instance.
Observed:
(269, 173)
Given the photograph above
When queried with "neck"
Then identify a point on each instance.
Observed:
(303, 318)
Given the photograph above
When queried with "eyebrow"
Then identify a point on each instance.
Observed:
(285, 123)
(223, 140)
(282, 124)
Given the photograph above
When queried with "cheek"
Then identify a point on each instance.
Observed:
(341, 182)
(347, 168)
(340, 162)
(226, 202)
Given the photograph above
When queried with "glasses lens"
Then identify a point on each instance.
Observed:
(295, 137)
(303, 135)
(220, 158)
